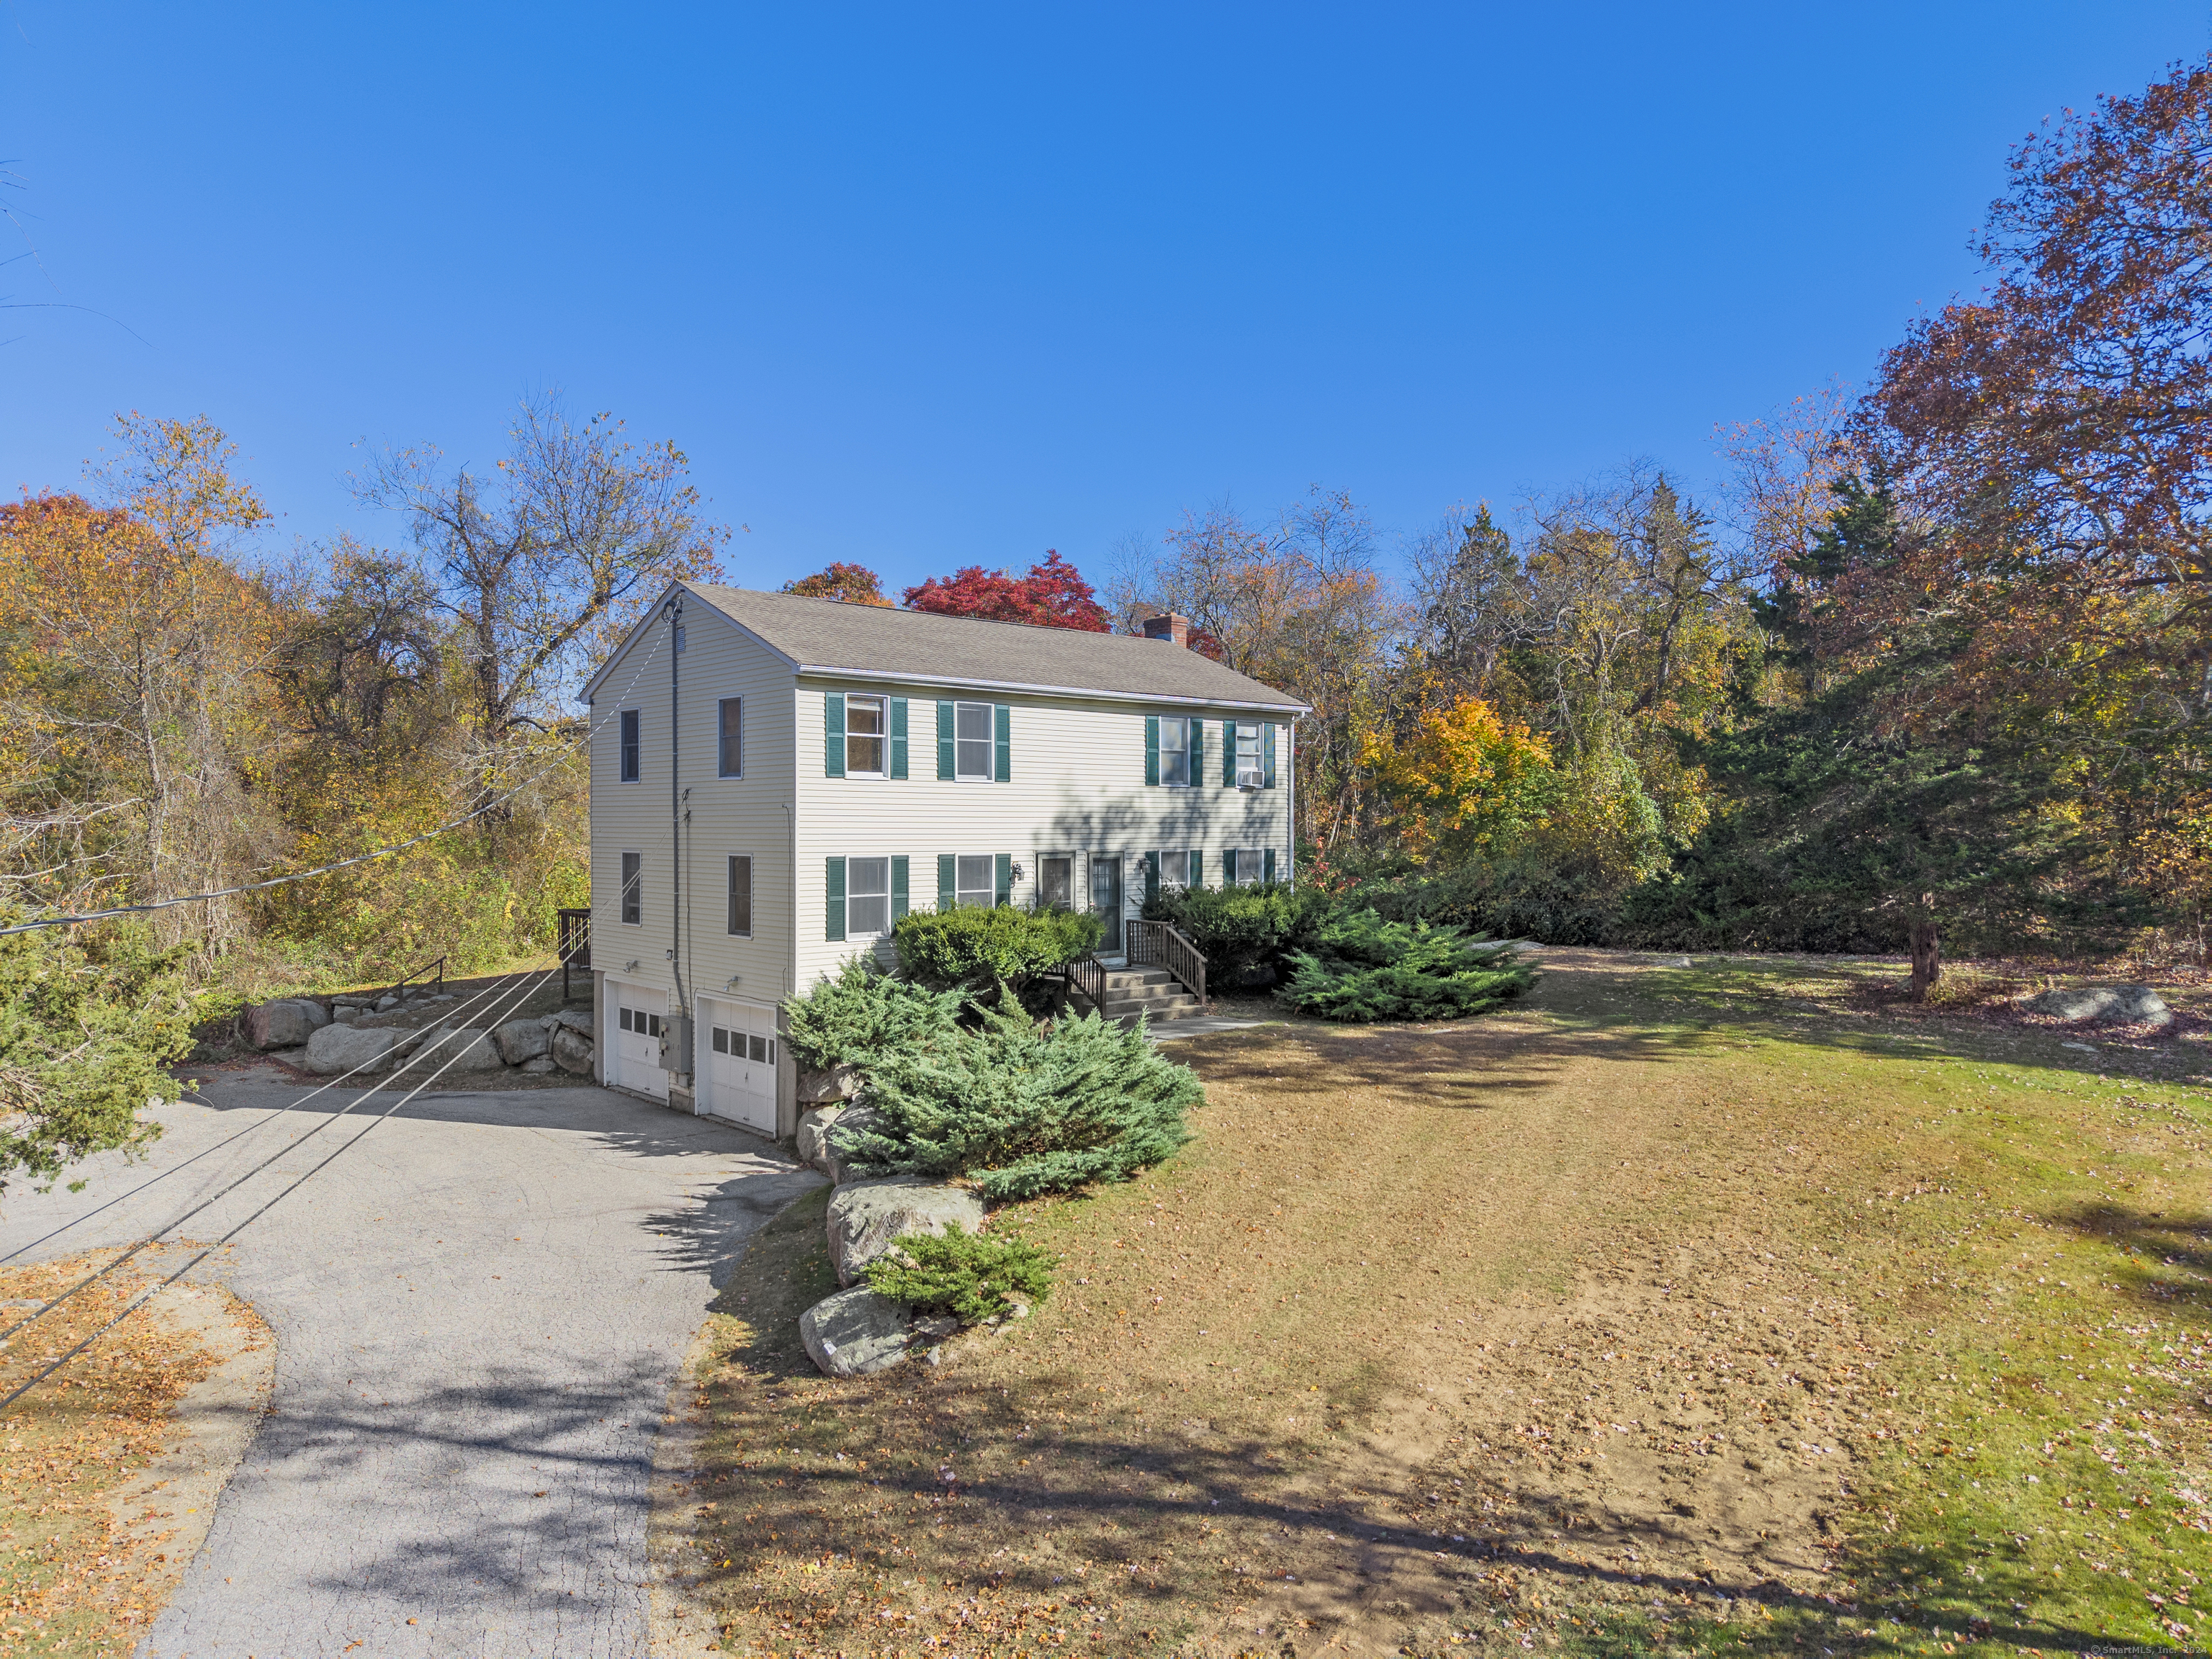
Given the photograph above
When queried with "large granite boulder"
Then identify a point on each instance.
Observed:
(286, 1022)
(469, 1051)
(865, 1216)
(572, 1051)
(838, 1083)
(522, 1039)
(578, 1020)
(818, 1146)
(2106, 1004)
(855, 1332)
(336, 1050)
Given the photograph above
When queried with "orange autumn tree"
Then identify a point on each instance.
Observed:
(1466, 784)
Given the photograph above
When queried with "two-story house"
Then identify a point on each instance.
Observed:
(776, 781)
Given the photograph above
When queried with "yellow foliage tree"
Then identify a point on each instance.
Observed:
(1465, 784)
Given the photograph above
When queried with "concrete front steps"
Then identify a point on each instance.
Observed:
(1150, 990)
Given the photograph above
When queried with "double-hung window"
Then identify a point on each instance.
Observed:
(867, 897)
(1181, 868)
(1174, 753)
(864, 737)
(971, 741)
(1248, 773)
(1056, 881)
(1246, 866)
(730, 736)
(633, 745)
(741, 895)
(633, 888)
(972, 884)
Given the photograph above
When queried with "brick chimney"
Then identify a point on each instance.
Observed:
(1167, 625)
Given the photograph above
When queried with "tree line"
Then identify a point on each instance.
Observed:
(1933, 664)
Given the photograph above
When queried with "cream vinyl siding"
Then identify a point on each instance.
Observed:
(728, 815)
(1077, 784)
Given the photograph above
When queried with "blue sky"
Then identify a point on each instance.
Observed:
(923, 286)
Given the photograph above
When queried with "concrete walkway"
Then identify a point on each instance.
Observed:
(479, 1312)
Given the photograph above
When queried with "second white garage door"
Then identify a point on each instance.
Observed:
(736, 1050)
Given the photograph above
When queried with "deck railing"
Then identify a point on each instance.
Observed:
(1087, 974)
(1161, 945)
(573, 942)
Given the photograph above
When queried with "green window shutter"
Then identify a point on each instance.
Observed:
(1197, 867)
(1152, 748)
(834, 885)
(1267, 756)
(898, 887)
(945, 741)
(1229, 753)
(1003, 728)
(1229, 870)
(898, 743)
(1267, 864)
(833, 744)
(1194, 735)
(948, 876)
(1003, 871)
(1152, 877)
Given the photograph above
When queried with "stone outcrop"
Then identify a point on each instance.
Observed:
(865, 1216)
(286, 1022)
(855, 1333)
(336, 1050)
(2106, 1005)
(817, 1143)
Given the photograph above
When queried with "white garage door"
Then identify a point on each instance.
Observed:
(737, 1062)
(638, 1012)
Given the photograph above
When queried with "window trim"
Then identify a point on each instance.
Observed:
(1175, 859)
(989, 890)
(1042, 860)
(1235, 858)
(725, 739)
(630, 912)
(731, 917)
(988, 742)
(629, 745)
(881, 736)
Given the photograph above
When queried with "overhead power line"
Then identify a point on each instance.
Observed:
(465, 819)
(148, 1295)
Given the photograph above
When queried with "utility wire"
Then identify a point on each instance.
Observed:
(289, 1146)
(449, 1014)
(585, 736)
(157, 1290)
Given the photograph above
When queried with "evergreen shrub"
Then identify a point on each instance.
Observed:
(974, 1276)
(863, 1014)
(88, 1021)
(1239, 930)
(1023, 1108)
(1362, 967)
(978, 950)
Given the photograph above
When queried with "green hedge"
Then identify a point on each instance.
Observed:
(977, 950)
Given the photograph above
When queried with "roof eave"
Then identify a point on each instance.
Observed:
(892, 678)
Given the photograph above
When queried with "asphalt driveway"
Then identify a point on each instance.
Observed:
(479, 1312)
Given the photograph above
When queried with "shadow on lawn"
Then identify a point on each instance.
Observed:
(2169, 1263)
(1601, 1008)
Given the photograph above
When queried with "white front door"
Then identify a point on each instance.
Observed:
(637, 1015)
(736, 1048)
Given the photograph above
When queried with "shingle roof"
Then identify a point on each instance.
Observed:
(877, 642)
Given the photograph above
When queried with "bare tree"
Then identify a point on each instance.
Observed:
(545, 557)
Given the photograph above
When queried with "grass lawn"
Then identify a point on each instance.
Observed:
(1731, 1308)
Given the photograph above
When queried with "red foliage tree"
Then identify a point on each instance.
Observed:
(1053, 595)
